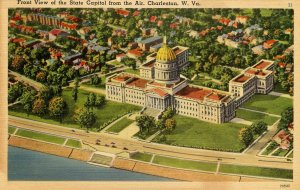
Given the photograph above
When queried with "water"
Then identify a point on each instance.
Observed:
(30, 165)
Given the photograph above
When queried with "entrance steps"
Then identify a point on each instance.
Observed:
(152, 112)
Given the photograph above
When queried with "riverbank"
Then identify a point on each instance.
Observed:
(128, 164)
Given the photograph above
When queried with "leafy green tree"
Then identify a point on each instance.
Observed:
(246, 136)
(39, 106)
(41, 76)
(287, 117)
(57, 108)
(145, 123)
(168, 113)
(14, 92)
(259, 127)
(85, 118)
(75, 89)
(100, 100)
(170, 124)
(27, 99)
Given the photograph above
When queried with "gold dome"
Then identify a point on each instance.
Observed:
(165, 54)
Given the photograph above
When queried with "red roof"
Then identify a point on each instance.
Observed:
(242, 78)
(138, 82)
(18, 40)
(256, 72)
(122, 78)
(121, 55)
(270, 42)
(194, 93)
(173, 25)
(262, 65)
(215, 96)
(159, 23)
(55, 32)
(224, 21)
(159, 91)
(135, 52)
(136, 13)
(281, 65)
(69, 26)
(73, 18)
(153, 19)
(122, 12)
(242, 17)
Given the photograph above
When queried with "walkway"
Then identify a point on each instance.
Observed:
(241, 121)
(260, 112)
(281, 95)
(24, 79)
(154, 148)
(129, 131)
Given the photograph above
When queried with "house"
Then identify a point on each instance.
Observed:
(42, 33)
(258, 50)
(193, 34)
(20, 41)
(147, 43)
(135, 13)
(241, 19)
(96, 48)
(291, 128)
(283, 139)
(84, 30)
(122, 12)
(288, 31)
(132, 45)
(70, 58)
(31, 43)
(160, 23)
(134, 53)
(146, 31)
(289, 68)
(269, 44)
(282, 65)
(120, 57)
(153, 19)
(252, 28)
(55, 33)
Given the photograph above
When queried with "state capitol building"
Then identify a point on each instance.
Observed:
(160, 86)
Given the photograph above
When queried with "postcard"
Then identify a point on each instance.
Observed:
(149, 94)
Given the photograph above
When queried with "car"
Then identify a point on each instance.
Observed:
(106, 145)
(114, 146)
(125, 148)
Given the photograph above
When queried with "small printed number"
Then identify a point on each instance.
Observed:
(290, 4)
(284, 185)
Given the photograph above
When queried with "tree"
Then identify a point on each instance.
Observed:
(100, 100)
(95, 80)
(92, 98)
(57, 107)
(14, 92)
(246, 135)
(287, 117)
(41, 76)
(75, 89)
(27, 99)
(18, 63)
(168, 113)
(145, 123)
(259, 127)
(39, 106)
(85, 118)
(170, 124)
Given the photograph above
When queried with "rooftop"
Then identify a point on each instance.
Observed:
(138, 82)
(262, 64)
(194, 93)
(159, 91)
(148, 40)
(242, 78)
(256, 72)
(122, 77)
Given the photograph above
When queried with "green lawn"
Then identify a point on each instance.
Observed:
(291, 155)
(105, 113)
(120, 125)
(40, 136)
(191, 132)
(101, 85)
(256, 171)
(186, 164)
(271, 147)
(254, 116)
(11, 129)
(265, 12)
(74, 143)
(280, 152)
(115, 63)
(268, 103)
(130, 70)
(141, 156)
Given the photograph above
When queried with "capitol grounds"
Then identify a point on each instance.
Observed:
(189, 132)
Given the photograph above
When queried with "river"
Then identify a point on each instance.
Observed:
(27, 165)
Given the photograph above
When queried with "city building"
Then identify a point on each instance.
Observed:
(147, 43)
(163, 87)
(256, 79)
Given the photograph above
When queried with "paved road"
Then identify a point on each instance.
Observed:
(136, 145)
(274, 115)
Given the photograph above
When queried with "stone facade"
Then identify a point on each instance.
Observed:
(160, 87)
(256, 79)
